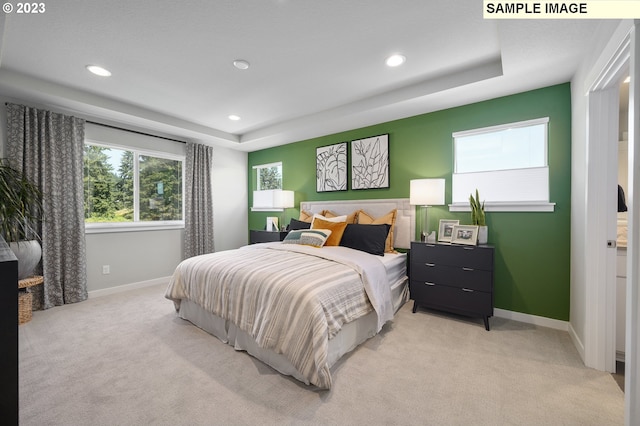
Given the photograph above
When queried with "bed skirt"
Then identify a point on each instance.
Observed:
(348, 338)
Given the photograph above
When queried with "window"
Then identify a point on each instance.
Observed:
(126, 188)
(507, 164)
(269, 176)
(267, 194)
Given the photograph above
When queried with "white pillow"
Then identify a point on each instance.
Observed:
(329, 219)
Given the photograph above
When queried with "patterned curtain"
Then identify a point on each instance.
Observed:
(48, 148)
(198, 233)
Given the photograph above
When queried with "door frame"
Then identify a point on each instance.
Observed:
(602, 123)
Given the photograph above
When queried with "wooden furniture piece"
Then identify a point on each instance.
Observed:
(8, 335)
(25, 311)
(260, 236)
(453, 278)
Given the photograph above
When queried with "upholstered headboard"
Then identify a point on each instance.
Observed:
(405, 218)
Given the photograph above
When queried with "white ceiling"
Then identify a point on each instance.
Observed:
(317, 67)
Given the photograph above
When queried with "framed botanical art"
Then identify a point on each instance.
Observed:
(331, 168)
(465, 234)
(445, 231)
(370, 162)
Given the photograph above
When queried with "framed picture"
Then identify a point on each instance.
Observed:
(370, 162)
(445, 231)
(464, 234)
(272, 224)
(331, 168)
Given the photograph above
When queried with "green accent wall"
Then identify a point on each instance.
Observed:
(532, 249)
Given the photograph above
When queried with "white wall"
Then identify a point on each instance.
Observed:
(138, 257)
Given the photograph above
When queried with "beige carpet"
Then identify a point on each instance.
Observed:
(126, 359)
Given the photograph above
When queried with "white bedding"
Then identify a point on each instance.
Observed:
(302, 342)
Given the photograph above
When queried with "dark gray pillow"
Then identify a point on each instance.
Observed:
(367, 238)
(295, 224)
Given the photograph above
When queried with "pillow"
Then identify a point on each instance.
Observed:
(329, 219)
(298, 224)
(351, 217)
(389, 219)
(305, 216)
(369, 238)
(336, 228)
(307, 237)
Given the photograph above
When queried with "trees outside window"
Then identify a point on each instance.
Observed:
(129, 186)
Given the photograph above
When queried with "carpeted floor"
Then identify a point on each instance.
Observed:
(126, 359)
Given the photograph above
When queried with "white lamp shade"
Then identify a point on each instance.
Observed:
(284, 199)
(273, 198)
(426, 192)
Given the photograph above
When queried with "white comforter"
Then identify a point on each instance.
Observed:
(290, 298)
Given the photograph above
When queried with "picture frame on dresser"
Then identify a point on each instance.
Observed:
(445, 229)
(465, 234)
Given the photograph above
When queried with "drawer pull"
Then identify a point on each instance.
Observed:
(431, 265)
(468, 290)
(469, 248)
(467, 269)
(428, 283)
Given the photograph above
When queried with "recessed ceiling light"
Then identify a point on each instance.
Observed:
(99, 70)
(627, 80)
(234, 117)
(395, 60)
(241, 64)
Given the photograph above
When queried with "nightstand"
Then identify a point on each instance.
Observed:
(452, 278)
(257, 236)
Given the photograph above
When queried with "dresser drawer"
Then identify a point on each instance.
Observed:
(455, 276)
(465, 256)
(452, 298)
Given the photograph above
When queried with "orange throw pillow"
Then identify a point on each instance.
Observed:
(305, 216)
(336, 228)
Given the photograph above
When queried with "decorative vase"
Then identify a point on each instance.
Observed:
(29, 254)
(483, 234)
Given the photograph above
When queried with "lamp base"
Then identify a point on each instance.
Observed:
(428, 238)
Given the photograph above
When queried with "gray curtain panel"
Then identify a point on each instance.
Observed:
(198, 232)
(48, 148)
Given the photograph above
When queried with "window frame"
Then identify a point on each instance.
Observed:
(137, 224)
(540, 173)
(256, 169)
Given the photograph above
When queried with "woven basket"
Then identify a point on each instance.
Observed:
(24, 307)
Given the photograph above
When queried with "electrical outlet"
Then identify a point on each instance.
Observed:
(106, 269)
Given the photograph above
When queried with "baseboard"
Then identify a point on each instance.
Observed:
(576, 342)
(127, 287)
(532, 319)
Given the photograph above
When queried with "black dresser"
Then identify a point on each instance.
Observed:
(453, 278)
(8, 335)
(256, 236)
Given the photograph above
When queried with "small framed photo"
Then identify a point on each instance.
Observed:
(465, 234)
(445, 231)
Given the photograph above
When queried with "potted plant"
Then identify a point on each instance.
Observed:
(478, 217)
(20, 213)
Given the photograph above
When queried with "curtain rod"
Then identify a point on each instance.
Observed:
(133, 131)
(126, 130)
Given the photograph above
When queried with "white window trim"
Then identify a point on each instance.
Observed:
(500, 127)
(506, 207)
(106, 227)
(137, 225)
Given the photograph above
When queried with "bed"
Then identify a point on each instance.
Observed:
(296, 307)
